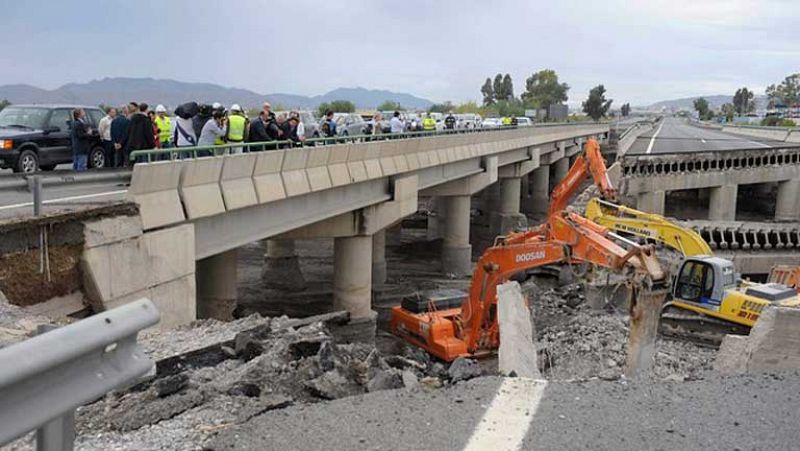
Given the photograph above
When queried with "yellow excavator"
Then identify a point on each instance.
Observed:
(708, 299)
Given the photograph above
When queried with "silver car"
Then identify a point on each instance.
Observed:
(350, 124)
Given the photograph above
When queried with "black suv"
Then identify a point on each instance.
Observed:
(34, 137)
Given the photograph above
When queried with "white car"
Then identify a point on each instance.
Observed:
(491, 122)
(468, 121)
(524, 122)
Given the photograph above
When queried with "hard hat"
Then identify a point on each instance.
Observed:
(236, 107)
(216, 105)
(161, 109)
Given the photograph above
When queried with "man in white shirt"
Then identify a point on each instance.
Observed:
(104, 129)
(396, 123)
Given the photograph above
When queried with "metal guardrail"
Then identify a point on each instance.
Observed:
(43, 379)
(25, 181)
(228, 148)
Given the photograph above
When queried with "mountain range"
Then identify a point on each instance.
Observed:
(121, 90)
(714, 102)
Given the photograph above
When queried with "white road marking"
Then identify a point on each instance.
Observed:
(506, 422)
(653, 139)
(702, 140)
(64, 199)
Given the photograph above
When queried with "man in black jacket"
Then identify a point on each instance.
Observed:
(80, 137)
(140, 133)
(258, 131)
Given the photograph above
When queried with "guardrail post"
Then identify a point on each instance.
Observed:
(37, 195)
(57, 434)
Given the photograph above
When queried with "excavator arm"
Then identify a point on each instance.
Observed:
(646, 225)
(590, 162)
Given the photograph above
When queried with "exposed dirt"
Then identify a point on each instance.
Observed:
(24, 284)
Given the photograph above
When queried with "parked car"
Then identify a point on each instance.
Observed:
(310, 123)
(524, 122)
(350, 124)
(491, 122)
(468, 121)
(37, 137)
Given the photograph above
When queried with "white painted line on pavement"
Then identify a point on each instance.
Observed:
(653, 139)
(64, 199)
(702, 140)
(506, 422)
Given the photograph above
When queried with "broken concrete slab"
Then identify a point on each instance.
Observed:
(111, 230)
(517, 353)
(731, 355)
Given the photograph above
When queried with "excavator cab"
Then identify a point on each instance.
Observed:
(703, 281)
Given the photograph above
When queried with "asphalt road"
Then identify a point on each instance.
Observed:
(67, 197)
(676, 135)
(716, 413)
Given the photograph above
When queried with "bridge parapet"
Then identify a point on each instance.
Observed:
(748, 236)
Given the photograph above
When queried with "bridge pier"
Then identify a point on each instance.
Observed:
(352, 276)
(215, 278)
(787, 206)
(722, 203)
(560, 171)
(281, 265)
(508, 217)
(456, 250)
(540, 191)
(651, 202)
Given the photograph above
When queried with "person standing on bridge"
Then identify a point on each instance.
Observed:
(184, 135)
(450, 121)
(258, 131)
(164, 124)
(140, 133)
(429, 123)
(119, 135)
(214, 129)
(397, 125)
(104, 129)
(80, 137)
(238, 127)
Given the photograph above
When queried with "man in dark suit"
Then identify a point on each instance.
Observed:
(140, 133)
(80, 137)
(258, 131)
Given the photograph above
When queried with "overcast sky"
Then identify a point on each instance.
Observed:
(642, 50)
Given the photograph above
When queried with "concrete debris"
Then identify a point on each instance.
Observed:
(517, 353)
(581, 342)
(773, 344)
(463, 369)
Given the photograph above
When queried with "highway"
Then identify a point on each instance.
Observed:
(715, 412)
(676, 135)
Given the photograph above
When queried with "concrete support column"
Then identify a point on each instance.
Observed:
(352, 276)
(561, 170)
(379, 259)
(456, 250)
(722, 203)
(508, 218)
(281, 266)
(787, 205)
(651, 202)
(540, 191)
(215, 279)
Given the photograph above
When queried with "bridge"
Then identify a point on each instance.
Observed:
(193, 214)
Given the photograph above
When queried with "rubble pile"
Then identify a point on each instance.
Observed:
(584, 342)
(268, 366)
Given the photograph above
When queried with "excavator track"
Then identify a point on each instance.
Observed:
(700, 329)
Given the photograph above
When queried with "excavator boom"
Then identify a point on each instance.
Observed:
(646, 225)
(591, 162)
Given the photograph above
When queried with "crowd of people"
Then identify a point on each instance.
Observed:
(136, 127)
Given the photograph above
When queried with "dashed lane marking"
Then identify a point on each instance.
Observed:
(505, 423)
(653, 139)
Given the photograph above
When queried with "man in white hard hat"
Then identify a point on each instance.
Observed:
(238, 127)
(164, 124)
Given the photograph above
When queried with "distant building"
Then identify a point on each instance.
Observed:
(557, 112)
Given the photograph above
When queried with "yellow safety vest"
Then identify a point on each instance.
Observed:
(236, 126)
(164, 128)
(506, 121)
(429, 123)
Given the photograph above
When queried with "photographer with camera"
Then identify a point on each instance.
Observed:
(213, 130)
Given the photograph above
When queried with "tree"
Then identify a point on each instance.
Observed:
(743, 101)
(388, 105)
(729, 110)
(701, 105)
(542, 89)
(508, 88)
(469, 107)
(337, 106)
(625, 110)
(4, 103)
(441, 107)
(488, 92)
(785, 93)
(499, 92)
(596, 106)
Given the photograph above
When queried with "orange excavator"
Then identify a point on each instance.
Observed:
(785, 275)
(471, 329)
